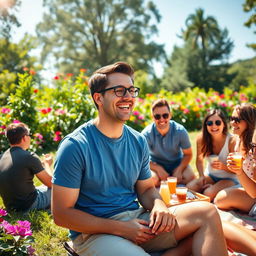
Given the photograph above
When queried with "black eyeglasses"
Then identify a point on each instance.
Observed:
(235, 119)
(120, 90)
(158, 116)
(210, 123)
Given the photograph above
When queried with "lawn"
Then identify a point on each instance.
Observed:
(49, 238)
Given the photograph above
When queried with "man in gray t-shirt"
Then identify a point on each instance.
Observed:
(169, 145)
(17, 170)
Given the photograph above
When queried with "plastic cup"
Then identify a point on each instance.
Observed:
(213, 158)
(181, 193)
(164, 192)
(172, 183)
(237, 158)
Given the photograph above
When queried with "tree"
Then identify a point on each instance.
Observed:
(14, 58)
(200, 28)
(203, 60)
(8, 19)
(250, 6)
(89, 34)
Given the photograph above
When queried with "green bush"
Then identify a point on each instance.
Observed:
(52, 112)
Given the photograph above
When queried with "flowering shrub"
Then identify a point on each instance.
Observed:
(15, 239)
(53, 112)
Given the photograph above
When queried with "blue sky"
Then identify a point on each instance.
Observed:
(228, 13)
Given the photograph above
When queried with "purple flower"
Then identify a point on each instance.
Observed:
(30, 250)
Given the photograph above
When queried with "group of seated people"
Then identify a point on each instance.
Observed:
(104, 186)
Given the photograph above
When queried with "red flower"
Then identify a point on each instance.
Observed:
(70, 74)
(56, 78)
(45, 110)
(83, 70)
(35, 90)
(32, 72)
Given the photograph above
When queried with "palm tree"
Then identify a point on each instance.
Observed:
(201, 28)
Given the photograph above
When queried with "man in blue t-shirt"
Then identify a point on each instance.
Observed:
(102, 174)
(169, 146)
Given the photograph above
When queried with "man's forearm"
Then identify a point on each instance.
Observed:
(147, 199)
(184, 162)
(80, 221)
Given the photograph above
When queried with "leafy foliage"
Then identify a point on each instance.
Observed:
(250, 6)
(8, 18)
(91, 34)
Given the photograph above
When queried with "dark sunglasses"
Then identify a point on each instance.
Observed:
(120, 90)
(235, 119)
(252, 146)
(210, 123)
(158, 116)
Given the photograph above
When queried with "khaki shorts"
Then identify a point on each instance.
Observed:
(110, 245)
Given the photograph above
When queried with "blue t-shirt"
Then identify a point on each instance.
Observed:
(167, 150)
(104, 169)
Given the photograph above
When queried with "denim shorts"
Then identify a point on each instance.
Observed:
(216, 179)
(43, 199)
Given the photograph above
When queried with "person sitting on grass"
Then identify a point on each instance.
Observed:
(214, 144)
(17, 170)
(243, 123)
(103, 190)
(169, 146)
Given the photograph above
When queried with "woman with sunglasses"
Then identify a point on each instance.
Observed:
(213, 144)
(243, 123)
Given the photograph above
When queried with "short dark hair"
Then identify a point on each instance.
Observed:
(160, 103)
(15, 132)
(99, 80)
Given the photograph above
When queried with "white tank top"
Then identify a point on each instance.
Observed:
(223, 158)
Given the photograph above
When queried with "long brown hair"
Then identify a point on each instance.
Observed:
(207, 144)
(247, 112)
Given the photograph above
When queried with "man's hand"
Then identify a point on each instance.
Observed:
(160, 171)
(138, 231)
(177, 173)
(161, 219)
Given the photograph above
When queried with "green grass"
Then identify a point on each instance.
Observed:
(49, 237)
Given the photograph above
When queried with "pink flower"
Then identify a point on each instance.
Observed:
(141, 117)
(136, 113)
(59, 112)
(16, 121)
(198, 100)
(3, 127)
(22, 228)
(223, 104)
(39, 136)
(6, 110)
(3, 212)
(186, 111)
(57, 136)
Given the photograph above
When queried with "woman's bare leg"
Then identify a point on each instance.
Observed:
(239, 238)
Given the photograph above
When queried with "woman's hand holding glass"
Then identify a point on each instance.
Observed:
(235, 163)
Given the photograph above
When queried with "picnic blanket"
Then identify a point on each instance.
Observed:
(239, 218)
